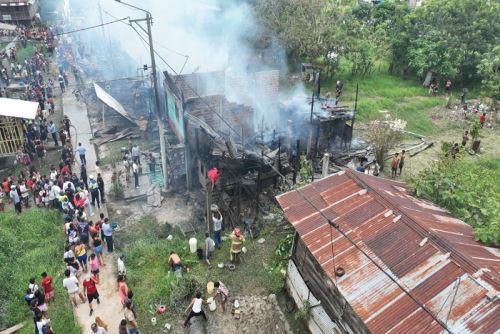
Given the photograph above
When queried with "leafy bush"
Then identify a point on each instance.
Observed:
(30, 244)
(306, 170)
(276, 269)
(470, 191)
(304, 313)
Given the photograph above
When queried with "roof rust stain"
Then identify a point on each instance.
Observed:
(429, 252)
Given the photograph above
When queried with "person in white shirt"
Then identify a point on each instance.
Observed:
(135, 170)
(121, 266)
(32, 286)
(55, 191)
(97, 330)
(68, 184)
(41, 322)
(196, 309)
(53, 175)
(25, 194)
(70, 283)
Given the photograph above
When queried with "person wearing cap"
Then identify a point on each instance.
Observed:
(237, 240)
(94, 191)
(97, 330)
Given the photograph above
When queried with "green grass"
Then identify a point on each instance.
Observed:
(405, 99)
(27, 52)
(147, 251)
(492, 165)
(30, 244)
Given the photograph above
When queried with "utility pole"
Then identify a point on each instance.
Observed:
(159, 120)
(161, 130)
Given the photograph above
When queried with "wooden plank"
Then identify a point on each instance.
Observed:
(13, 329)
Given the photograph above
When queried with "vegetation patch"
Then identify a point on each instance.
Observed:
(30, 244)
(469, 190)
(147, 251)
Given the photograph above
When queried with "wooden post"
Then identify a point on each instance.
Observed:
(289, 138)
(208, 193)
(259, 185)
(103, 122)
(238, 204)
(326, 160)
(297, 162)
(309, 138)
(316, 143)
(197, 138)
(278, 167)
(279, 154)
(354, 116)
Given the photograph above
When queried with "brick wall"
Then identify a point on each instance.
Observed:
(202, 84)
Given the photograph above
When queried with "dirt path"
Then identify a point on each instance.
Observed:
(110, 309)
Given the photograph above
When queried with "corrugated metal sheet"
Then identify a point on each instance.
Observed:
(319, 321)
(430, 253)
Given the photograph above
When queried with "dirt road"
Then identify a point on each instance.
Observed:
(110, 310)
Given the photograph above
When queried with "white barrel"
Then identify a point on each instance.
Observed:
(193, 243)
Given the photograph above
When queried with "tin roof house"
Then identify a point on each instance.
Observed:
(371, 258)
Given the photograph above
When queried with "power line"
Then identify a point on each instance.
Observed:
(92, 27)
(337, 227)
(155, 41)
(455, 289)
(188, 85)
(178, 74)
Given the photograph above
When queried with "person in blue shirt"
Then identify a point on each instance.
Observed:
(81, 150)
(53, 132)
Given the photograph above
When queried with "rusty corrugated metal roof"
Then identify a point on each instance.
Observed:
(433, 255)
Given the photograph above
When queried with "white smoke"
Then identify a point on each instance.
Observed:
(213, 33)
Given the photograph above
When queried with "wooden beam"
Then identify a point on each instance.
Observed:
(13, 329)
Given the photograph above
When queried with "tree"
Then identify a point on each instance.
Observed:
(489, 70)
(384, 135)
(469, 190)
(461, 31)
(308, 29)
(430, 52)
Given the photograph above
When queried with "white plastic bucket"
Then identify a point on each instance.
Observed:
(193, 243)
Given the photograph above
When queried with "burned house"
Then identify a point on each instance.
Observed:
(319, 124)
(234, 122)
(370, 258)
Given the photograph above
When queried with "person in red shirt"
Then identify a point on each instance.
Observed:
(213, 175)
(65, 170)
(47, 287)
(6, 186)
(30, 182)
(90, 289)
(482, 119)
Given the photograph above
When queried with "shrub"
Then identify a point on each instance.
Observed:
(469, 190)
